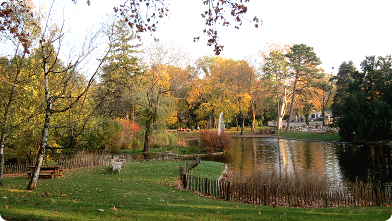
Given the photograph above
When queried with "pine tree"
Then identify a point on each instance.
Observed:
(304, 63)
(117, 75)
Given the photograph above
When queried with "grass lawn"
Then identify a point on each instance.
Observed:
(311, 135)
(145, 190)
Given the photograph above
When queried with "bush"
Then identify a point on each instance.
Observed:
(190, 150)
(211, 141)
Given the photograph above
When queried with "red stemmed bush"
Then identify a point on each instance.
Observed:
(212, 142)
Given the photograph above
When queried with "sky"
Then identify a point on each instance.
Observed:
(337, 30)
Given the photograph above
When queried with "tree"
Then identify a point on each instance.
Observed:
(242, 82)
(303, 61)
(121, 66)
(16, 17)
(326, 86)
(343, 80)
(366, 109)
(217, 91)
(258, 90)
(155, 104)
(276, 67)
(181, 80)
(64, 87)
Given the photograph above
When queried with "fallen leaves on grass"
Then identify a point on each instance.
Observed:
(114, 208)
(101, 210)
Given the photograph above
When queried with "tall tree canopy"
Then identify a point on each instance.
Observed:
(343, 80)
(120, 67)
(366, 110)
(304, 63)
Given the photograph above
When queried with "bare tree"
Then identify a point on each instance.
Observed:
(60, 96)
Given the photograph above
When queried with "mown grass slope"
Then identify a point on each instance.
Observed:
(145, 190)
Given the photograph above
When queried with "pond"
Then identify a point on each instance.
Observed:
(336, 164)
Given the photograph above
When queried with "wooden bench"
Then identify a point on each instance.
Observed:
(46, 172)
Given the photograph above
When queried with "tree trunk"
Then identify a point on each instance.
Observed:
(282, 109)
(254, 118)
(5, 122)
(45, 131)
(41, 153)
(4, 131)
(2, 157)
(147, 136)
(292, 102)
(242, 124)
(278, 120)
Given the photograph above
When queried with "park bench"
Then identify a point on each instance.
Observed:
(116, 164)
(46, 172)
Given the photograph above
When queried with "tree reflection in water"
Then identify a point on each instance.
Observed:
(302, 163)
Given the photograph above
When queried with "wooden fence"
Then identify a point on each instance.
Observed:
(357, 195)
(79, 161)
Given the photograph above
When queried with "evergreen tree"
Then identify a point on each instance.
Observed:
(118, 72)
(304, 63)
(367, 110)
(343, 80)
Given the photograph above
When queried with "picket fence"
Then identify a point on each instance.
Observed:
(76, 162)
(263, 194)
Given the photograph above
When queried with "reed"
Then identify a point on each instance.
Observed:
(299, 190)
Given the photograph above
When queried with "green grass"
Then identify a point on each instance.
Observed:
(208, 169)
(311, 135)
(145, 190)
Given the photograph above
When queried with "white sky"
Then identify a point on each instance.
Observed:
(338, 30)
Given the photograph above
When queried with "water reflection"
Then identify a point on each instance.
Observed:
(335, 163)
(366, 163)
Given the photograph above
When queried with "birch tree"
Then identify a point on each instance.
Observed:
(60, 81)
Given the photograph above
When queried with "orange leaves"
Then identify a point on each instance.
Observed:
(114, 208)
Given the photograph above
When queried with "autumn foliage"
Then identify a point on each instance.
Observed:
(128, 132)
(212, 142)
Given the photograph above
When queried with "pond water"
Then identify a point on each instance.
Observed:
(338, 164)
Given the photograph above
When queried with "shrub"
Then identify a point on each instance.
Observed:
(211, 141)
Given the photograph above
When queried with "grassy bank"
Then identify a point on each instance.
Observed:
(145, 190)
(319, 136)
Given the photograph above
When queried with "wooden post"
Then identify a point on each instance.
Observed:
(228, 191)
(325, 200)
(184, 180)
(205, 185)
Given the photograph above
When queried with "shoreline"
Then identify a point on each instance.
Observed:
(255, 135)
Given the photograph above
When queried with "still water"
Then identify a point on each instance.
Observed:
(339, 164)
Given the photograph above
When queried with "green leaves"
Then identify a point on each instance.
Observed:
(363, 100)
